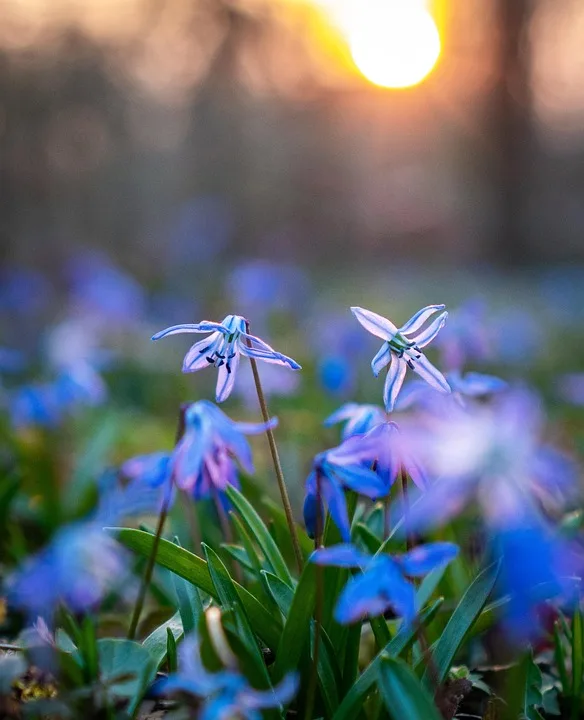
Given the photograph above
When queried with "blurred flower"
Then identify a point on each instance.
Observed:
(402, 349)
(152, 470)
(227, 693)
(261, 286)
(203, 461)
(228, 340)
(336, 375)
(471, 384)
(384, 583)
(80, 566)
(23, 292)
(491, 454)
(571, 388)
(276, 382)
(393, 455)
(332, 472)
(466, 337)
(79, 385)
(101, 290)
(358, 419)
(11, 361)
(34, 406)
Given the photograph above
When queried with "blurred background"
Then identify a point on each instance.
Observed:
(165, 161)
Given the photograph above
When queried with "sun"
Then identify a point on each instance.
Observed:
(393, 43)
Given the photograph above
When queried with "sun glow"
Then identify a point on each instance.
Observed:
(393, 43)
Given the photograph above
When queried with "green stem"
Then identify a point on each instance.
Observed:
(157, 535)
(276, 461)
(404, 486)
(318, 609)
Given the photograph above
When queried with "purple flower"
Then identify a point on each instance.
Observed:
(226, 693)
(392, 455)
(224, 346)
(491, 454)
(203, 461)
(403, 348)
(332, 472)
(384, 582)
(358, 419)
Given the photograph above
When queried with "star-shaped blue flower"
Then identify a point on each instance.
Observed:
(384, 582)
(403, 348)
(224, 346)
(358, 419)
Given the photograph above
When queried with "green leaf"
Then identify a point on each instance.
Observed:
(156, 642)
(461, 620)
(560, 658)
(524, 695)
(195, 570)
(189, 601)
(260, 533)
(296, 629)
(117, 660)
(402, 692)
(367, 537)
(282, 593)
(429, 584)
(240, 555)
(577, 662)
(230, 600)
(353, 701)
(253, 560)
(280, 524)
(171, 651)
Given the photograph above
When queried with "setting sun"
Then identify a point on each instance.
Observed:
(393, 43)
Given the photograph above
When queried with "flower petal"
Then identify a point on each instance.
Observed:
(418, 320)
(430, 374)
(422, 559)
(337, 506)
(196, 358)
(376, 324)
(262, 351)
(345, 412)
(343, 555)
(226, 379)
(426, 336)
(205, 326)
(382, 358)
(363, 595)
(393, 382)
(362, 481)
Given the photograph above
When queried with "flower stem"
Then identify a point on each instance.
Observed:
(318, 608)
(156, 542)
(276, 461)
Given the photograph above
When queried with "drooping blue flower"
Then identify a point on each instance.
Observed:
(203, 462)
(152, 470)
(333, 471)
(227, 693)
(403, 348)
(358, 419)
(469, 385)
(224, 346)
(384, 582)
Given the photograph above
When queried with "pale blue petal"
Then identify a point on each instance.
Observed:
(418, 320)
(476, 384)
(426, 336)
(202, 327)
(248, 428)
(196, 358)
(381, 359)
(376, 324)
(345, 412)
(361, 480)
(343, 555)
(430, 374)
(422, 559)
(262, 351)
(226, 379)
(393, 382)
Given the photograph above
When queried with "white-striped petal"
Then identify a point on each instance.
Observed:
(202, 327)
(426, 336)
(376, 324)
(196, 358)
(418, 320)
(393, 382)
(381, 359)
(430, 374)
(226, 379)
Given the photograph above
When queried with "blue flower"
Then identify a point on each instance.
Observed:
(79, 567)
(471, 384)
(384, 583)
(226, 693)
(152, 470)
(224, 346)
(392, 455)
(332, 472)
(203, 461)
(403, 348)
(358, 419)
